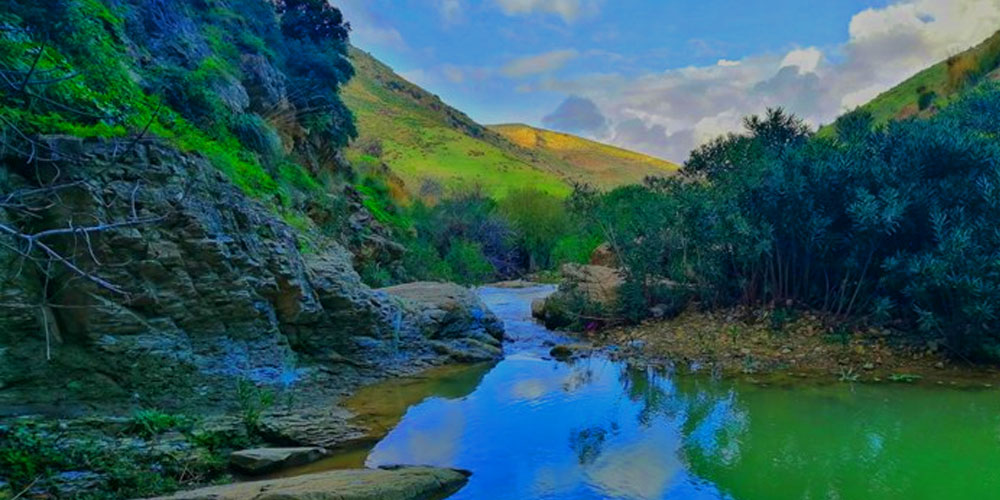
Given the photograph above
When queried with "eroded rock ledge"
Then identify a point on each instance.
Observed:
(404, 483)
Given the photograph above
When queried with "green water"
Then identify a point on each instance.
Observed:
(533, 428)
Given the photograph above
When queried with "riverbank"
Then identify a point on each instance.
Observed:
(760, 342)
(94, 447)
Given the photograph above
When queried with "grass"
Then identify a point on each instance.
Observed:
(599, 164)
(939, 84)
(424, 139)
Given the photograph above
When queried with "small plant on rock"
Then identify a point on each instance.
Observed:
(150, 423)
(253, 402)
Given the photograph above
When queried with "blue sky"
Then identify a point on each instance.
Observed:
(661, 76)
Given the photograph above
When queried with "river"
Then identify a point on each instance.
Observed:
(530, 427)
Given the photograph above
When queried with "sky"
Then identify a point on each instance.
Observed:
(661, 76)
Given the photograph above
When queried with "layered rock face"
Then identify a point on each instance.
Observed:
(215, 287)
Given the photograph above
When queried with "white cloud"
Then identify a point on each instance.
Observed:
(368, 28)
(806, 60)
(539, 64)
(569, 10)
(670, 112)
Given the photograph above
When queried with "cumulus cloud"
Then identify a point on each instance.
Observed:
(569, 10)
(368, 27)
(806, 60)
(668, 113)
(538, 64)
(577, 115)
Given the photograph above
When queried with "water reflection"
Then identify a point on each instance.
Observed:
(535, 428)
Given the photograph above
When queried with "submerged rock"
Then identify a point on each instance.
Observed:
(263, 460)
(563, 352)
(404, 483)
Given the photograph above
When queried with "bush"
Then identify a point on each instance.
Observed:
(150, 423)
(253, 402)
(468, 264)
(540, 220)
(890, 225)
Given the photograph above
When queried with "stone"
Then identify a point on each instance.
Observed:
(326, 428)
(598, 284)
(403, 483)
(563, 352)
(453, 318)
(604, 255)
(263, 460)
(538, 308)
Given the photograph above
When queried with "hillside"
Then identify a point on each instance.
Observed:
(435, 148)
(936, 86)
(590, 161)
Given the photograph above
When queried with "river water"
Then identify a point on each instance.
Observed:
(530, 427)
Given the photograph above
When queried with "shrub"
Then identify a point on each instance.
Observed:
(253, 402)
(468, 263)
(878, 225)
(150, 423)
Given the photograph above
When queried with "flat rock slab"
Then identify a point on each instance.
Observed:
(264, 460)
(405, 483)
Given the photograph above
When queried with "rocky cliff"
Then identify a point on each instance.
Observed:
(213, 287)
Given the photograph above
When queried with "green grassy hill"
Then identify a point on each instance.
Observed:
(433, 147)
(588, 161)
(934, 87)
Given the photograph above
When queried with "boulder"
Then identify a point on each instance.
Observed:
(599, 284)
(604, 255)
(564, 352)
(264, 460)
(453, 317)
(582, 287)
(403, 483)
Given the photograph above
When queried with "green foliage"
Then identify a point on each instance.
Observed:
(151, 423)
(253, 402)
(882, 225)
(31, 454)
(27, 455)
(575, 248)
(540, 220)
(468, 263)
(98, 87)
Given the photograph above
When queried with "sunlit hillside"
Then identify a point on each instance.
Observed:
(435, 148)
(588, 161)
(936, 86)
